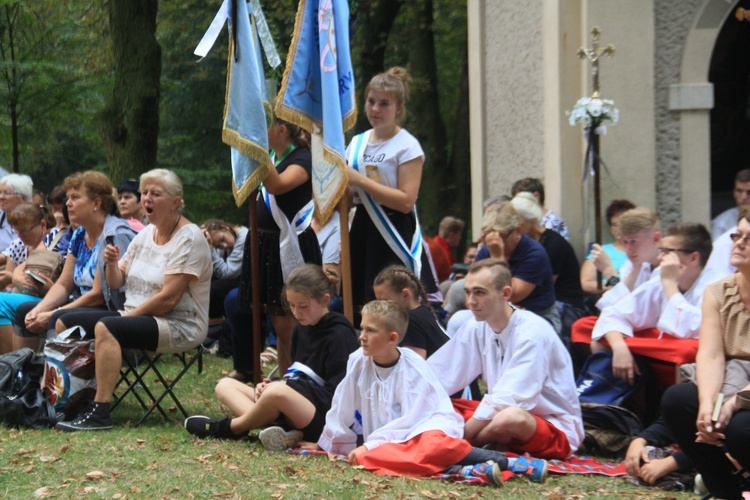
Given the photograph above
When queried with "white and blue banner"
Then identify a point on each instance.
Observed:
(245, 126)
(317, 93)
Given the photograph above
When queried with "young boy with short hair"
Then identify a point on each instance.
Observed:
(640, 234)
(408, 423)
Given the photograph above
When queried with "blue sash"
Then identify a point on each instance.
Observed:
(410, 255)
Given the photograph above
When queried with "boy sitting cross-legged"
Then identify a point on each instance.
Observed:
(408, 423)
(531, 403)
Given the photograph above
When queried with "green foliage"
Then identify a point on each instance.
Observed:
(50, 80)
(64, 62)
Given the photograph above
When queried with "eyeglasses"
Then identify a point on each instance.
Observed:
(744, 238)
(670, 250)
(9, 193)
(27, 230)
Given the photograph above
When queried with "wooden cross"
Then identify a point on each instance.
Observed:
(593, 54)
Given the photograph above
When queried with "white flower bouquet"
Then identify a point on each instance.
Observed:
(593, 112)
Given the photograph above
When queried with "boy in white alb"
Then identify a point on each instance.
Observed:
(408, 423)
(669, 305)
(531, 405)
(639, 233)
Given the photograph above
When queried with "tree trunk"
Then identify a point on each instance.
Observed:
(130, 120)
(374, 19)
(11, 14)
(424, 108)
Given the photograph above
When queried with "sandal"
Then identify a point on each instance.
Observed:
(269, 355)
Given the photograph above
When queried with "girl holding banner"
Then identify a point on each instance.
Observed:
(385, 171)
(285, 242)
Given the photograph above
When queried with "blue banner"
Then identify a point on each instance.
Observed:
(317, 93)
(245, 126)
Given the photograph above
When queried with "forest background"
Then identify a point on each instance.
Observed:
(113, 85)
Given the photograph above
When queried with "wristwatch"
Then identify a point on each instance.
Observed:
(613, 281)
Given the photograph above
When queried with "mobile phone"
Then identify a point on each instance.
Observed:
(110, 240)
(35, 276)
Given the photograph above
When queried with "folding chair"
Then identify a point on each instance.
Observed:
(133, 374)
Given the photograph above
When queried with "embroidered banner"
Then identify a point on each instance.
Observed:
(317, 93)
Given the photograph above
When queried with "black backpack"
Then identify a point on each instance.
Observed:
(609, 429)
(21, 401)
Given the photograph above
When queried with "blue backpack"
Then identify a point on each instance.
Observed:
(597, 384)
(608, 425)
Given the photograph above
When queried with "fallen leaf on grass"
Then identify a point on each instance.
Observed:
(94, 475)
(172, 409)
(454, 493)
(92, 489)
(554, 496)
(65, 448)
(223, 494)
(49, 459)
(289, 470)
(28, 469)
(204, 458)
(23, 452)
(42, 492)
(428, 494)
(140, 441)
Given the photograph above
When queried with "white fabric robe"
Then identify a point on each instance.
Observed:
(407, 403)
(526, 366)
(621, 290)
(648, 307)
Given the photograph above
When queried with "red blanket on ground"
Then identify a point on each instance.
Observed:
(586, 465)
(573, 465)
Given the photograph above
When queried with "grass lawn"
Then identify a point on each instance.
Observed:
(160, 460)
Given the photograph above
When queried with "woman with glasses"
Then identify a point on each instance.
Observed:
(710, 419)
(32, 224)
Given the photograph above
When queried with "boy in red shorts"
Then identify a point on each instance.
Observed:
(531, 405)
(409, 427)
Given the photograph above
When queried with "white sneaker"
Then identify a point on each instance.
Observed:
(700, 486)
(277, 439)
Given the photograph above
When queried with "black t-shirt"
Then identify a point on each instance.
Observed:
(565, 266)
(292, 201)
(423, 331)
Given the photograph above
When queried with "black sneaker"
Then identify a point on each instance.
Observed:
(94, 418)
(205, 427)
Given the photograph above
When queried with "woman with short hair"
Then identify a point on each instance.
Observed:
(166, 273)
